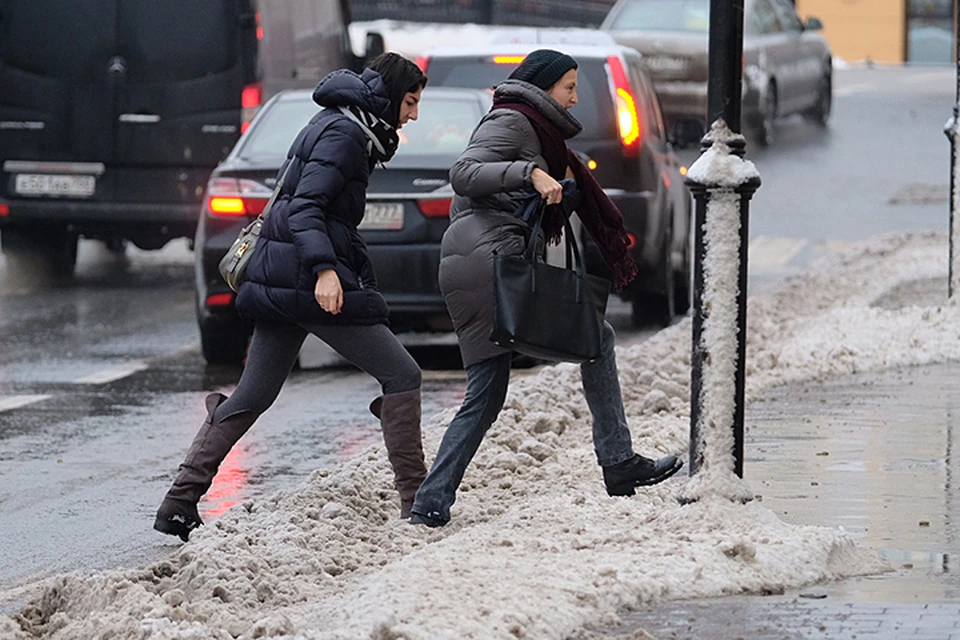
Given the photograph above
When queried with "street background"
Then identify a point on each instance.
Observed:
(101, 381)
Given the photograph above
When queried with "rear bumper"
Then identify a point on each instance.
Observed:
(684, 102)
(101, 218)
(644, 228)
(407, 275)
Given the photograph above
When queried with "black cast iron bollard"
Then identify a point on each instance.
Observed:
(722, 183)
(728, 182)
(952, 130)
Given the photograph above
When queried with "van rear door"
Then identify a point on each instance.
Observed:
(150, 91)
(56, 97)
(180, 68)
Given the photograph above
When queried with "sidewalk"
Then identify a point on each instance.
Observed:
(875, 454)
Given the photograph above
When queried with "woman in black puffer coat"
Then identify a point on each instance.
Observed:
(310, 273)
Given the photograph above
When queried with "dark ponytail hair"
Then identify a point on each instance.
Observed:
(401, 76)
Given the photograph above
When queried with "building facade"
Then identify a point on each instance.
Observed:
(891, 31)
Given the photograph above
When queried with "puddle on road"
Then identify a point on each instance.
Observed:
(886, 471)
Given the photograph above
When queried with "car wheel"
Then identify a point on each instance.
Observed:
(49, 253)
(821, 112)
(658, 309)
(768, 113)
(224, 343)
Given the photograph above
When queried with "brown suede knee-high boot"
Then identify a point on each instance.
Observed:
(178, 514)
(399, 415)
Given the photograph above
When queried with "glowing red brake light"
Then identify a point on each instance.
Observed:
(423, 62)
(4, 209)
(435, 208)
(219, 299)
(251, 96)
(233, 197)
(628, 120)
(250, 100)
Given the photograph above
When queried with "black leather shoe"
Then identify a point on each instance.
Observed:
(177, 519)
(638, 471)
(433, 523)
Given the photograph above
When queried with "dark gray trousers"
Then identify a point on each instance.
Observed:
(274, 349)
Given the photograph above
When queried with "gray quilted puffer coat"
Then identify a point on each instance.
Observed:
(491, 179)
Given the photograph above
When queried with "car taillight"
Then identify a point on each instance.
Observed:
(234, 197)
(435, 208)
(259, 27)
(423, 62)
(4, 209)
(219, 299)
(628, 119)
(250, 100)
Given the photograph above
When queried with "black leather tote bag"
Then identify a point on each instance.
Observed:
(546, 311)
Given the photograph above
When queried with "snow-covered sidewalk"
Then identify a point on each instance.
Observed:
(536, 548)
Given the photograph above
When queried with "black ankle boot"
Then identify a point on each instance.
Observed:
(433, 523)
(177, 518)
(621, 478)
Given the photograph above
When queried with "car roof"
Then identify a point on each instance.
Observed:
(455, 93)
(578, 51)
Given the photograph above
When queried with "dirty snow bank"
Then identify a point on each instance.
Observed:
(536, 549)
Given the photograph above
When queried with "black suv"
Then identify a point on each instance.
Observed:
(624, 143)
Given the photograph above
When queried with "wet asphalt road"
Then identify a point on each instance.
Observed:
(102, 382)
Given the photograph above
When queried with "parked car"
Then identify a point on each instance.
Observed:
(114, 113)
(407, 210)
(787, 64)
(623, 141)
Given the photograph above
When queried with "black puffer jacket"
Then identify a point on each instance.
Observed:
(313, 223)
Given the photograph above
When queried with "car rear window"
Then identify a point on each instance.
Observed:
(664, 15)
(594, 110)
(442, 130)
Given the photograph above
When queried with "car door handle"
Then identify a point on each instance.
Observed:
(140, 118)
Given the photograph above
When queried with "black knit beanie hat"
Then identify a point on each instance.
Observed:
(543, 68)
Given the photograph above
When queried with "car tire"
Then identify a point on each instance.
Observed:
(768, 116)
(50, 253)
(224, 343)
(821, 111)
(658, 309)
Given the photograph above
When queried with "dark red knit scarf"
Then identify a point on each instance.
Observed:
(599, 215)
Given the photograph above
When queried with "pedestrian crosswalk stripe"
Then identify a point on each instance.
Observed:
(15, 402)
(766, 252)
(112, 374)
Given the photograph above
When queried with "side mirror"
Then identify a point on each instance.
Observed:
(374, 45)
(814, 24)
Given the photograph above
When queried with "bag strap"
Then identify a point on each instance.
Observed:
(572, 251)
(276, 192)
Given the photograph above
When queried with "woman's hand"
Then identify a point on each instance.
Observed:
(547, 187)
(328, 292)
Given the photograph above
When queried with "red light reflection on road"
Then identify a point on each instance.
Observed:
(229, 485)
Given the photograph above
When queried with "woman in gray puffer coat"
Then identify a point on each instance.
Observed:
(520, 146)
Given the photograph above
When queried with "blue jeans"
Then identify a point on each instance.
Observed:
(486, 391)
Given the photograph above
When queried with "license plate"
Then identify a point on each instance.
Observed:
(42, 184)
(383, 215)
